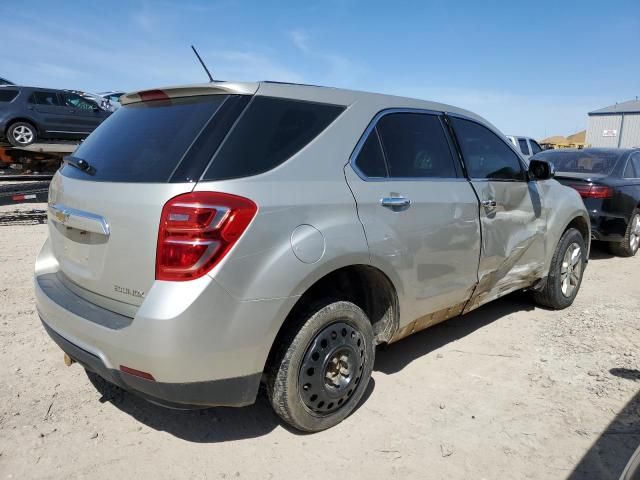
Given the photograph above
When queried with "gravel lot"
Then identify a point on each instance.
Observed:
(509, 391)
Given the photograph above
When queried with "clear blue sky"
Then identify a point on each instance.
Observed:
(533, 68)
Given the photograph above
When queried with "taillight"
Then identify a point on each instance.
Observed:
(197, 230)
(593, 191)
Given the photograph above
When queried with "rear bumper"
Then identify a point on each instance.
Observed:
(607, 227)
(202, 346)
(229, 391)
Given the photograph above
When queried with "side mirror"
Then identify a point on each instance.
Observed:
(541, 170)
(96, 108)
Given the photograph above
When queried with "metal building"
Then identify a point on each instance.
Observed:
(615, 126)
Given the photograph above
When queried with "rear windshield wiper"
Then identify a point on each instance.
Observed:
(80, 164)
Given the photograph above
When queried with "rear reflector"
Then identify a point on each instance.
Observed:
(197, 230)
(593, 191)
(137, 373)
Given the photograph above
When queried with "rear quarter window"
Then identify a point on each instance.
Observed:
(7, 95)
(270, 131)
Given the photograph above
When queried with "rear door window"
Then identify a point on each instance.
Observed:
(7, 95)
(633, 167)
(485, 154)
(269, 132)
(524, 146)
(535, 148)
(41, 97)
(415, 146)
(145, 141)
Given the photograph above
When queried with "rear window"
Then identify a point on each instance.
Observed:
(146, 141)
(7, 95)
(581, 162)
(535, 148)
(524, 146)
(270, 131)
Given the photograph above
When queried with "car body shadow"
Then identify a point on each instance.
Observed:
(206, 425)
(398, 355)
(609, 454)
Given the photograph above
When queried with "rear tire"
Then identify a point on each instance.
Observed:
(21, 134)
(323, 367)
(565, 274)
(628, 247)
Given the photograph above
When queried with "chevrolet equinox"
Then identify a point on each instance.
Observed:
(245, 233)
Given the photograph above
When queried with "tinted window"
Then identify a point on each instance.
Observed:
(485, 154)
(635, 159)
(370, 160)
(630, 170)
(524, 146)
(633, 167)
(582, 161)
(535, 148)
(76, 101)
(45, 98)
(145, 142)
(7, 95)
(270, 131)
(415, 146)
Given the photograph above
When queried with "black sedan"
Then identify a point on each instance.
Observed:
(608, 180)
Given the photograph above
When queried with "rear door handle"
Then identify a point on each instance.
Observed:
(489, 203)
(395, 202)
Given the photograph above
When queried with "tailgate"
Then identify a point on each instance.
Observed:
(104, 234)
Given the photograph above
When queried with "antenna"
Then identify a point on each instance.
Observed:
(202, 63)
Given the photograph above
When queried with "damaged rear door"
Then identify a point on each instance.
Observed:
(511, 213)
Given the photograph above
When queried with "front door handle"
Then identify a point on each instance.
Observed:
(489, 204)
(395, 202)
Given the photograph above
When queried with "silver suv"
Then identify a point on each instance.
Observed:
(206, 239)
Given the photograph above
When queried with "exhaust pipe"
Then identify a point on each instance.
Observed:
(68, 361)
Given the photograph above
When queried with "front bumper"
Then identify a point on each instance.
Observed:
(202, 346)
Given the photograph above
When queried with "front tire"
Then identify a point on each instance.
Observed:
(628, 247)
(21, 134)
(565, 274)
(323, 367)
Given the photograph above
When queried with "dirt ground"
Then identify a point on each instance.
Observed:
(509, 391)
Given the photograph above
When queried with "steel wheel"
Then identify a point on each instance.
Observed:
(571, 269)
(23, 134)
(634, 236)
(331, 368)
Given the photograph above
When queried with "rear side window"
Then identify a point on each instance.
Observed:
(370, 160)
(7, 95)
(270, 131)
(145, 141)
(633, 167)
(415, 146)
(45, 98)
(485, 154)
(524, 146)
(535, 148)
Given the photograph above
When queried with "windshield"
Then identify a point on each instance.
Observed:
(144, 141)
(581, 162)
